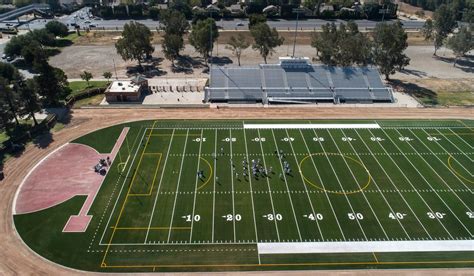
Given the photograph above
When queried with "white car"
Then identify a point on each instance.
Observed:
(4, 56)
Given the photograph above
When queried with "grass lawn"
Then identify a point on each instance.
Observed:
(281, 186)
(78, 86)
(93, 100)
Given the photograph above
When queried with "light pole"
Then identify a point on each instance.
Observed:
(297, 11)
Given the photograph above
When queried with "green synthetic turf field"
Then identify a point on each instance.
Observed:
(408, 180)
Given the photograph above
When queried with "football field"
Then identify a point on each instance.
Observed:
(199, 195)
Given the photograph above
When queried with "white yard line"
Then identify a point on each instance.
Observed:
(251, 194)
(322, 183)
(232, 182)
(375, 183)
(342, 188)
(454, 144)
(304, 185)
(268, 184)
(393, 184)
(123, 185)
(442, 179)
(214, 191)
(364, 247)
(453, 192)
(460, 138)
(177, 186)
(195, 187)
(159, 186)
(358, 185)
(287, 188)
(406, 158)
(309, 126)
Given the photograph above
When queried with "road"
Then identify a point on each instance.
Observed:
(83, 16)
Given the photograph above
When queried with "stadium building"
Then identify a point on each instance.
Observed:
(296, 80)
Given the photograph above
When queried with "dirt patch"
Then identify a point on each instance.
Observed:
(100, 38)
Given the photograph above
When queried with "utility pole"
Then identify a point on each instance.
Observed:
(297, 11)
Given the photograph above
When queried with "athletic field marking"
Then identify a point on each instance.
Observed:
(342, 188)
(305, 188)
(410, 182)
(211, 174)
(322, 183)
(442, 162)
(159, 187)
(196, 188)
(154, 176)
(251, 194)
(393, 184)
(103, 263)
(375, 190)
(111, 195)
(232, 183)
(287, 188)
(214, 188)
(429, 165)
(268, 185)
(309, 126)
(340, 192)
(450, 158)
(151, 228)
(364, 247)
(383, 196)
(358, 185)
(177, 186)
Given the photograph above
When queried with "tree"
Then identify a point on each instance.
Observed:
(175, 25)
(9, 75)
(86, 76)
(203, 35)
(326, 43)
(135, 43)
(444, 23)
(266, 39)
(255, 19)
(29, 98)
(237, 45)
(51, 84)
(172, 44)
(107, 75)
(390, 41)
(173, 22)
(57, 28)
(44, 37)
(461, 43)
(428, 29)
(8, 102)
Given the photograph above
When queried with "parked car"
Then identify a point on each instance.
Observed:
(4, 56)
(92, 25)
(240, 24)
(10, 59)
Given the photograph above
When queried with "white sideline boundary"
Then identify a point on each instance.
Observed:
(309, 126)
(364, 246)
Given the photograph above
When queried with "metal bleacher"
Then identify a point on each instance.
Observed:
(296, 83)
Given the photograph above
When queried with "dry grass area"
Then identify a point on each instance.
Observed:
(99, 38)
(434, 91)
